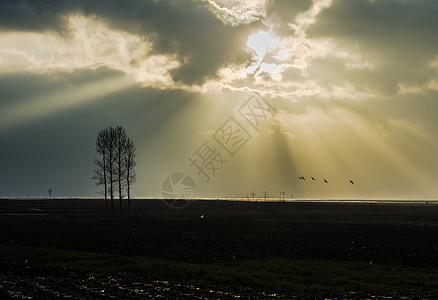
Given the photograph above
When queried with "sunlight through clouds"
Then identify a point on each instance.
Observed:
(354, 83)
(344, 142)
(44, 105)
(14, 60)
(305, 19)
(262, 42)
(90, 44)
(275, 57)
(238, 12)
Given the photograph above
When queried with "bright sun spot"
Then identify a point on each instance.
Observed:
(262, 42)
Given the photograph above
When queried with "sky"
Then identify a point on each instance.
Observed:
(242, 96)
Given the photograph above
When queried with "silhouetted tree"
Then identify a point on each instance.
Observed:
(120, 141)
(265, 194)
(253, 195)
(115, 163)
(282, 194)
(100, 177)
(105, 163)
(101, 162)
(111, 161)
(49, 191)
(130, 175)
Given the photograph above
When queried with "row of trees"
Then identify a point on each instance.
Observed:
(115, 164)
(266, 195)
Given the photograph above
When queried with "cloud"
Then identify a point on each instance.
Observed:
(35, 16)
(282, 13)
(90, 45)
(385, 46)
(236, 12)
(187, 31)
(398, 37)
(168, 44)
(352, 49)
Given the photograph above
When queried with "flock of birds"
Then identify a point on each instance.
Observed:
(325, 181)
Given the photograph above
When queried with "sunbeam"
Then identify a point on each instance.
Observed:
(40, 106)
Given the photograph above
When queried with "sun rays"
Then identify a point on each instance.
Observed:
(351, 101)
(39, 106)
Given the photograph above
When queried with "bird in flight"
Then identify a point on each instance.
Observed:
(351, 181)
(313, 178)
(325, 181)
(302, 178)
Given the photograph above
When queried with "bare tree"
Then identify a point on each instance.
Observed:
(115, 163)
(49, 191)
(101, 162)
(252, 195)
(100, 177)
(265, 194)
(282, 194)
(111, 161)
(130, 175)
(105, 163)
(120, 149)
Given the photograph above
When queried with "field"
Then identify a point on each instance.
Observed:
(67, 248)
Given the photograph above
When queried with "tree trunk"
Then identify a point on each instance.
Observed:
(119, 174)
(111, 178)
(111, 148)
(104, 180)
(128, 190)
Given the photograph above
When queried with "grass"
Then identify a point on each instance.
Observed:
(278, 274)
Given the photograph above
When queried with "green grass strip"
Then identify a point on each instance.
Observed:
(278, 274)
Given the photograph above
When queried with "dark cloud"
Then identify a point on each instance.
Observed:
(398, 37)
(398, 26)
(38, 15)
(282, 12)
(187, 29)
(378, 83)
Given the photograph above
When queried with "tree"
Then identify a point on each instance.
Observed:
(100, 177)
(252, 195)
(115, 163)
(49, 191)
(101, 162)
(265, 194)
(282, 194)
(111, 161)
(130, 164)
(120, 143)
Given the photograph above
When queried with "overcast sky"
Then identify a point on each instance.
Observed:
(241, 95)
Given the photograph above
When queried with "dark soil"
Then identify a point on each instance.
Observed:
(213, 231)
